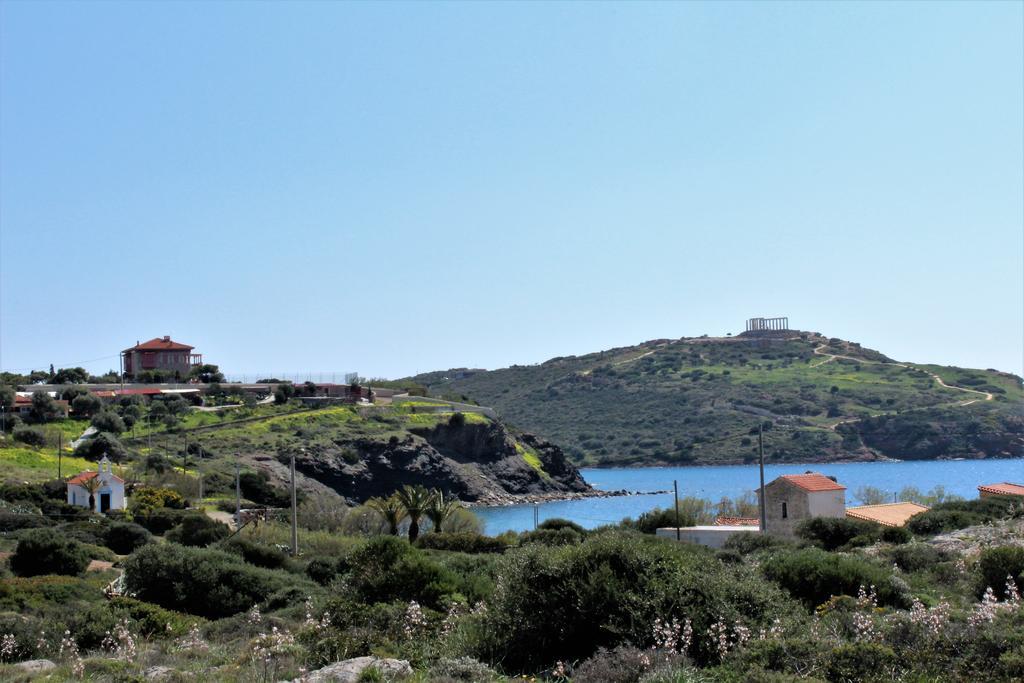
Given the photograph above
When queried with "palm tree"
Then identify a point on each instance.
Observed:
(91, 485)
(417, 500)
(391, 509)
(441, 509)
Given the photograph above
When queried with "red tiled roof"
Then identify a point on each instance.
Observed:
(737, 521)
(161, 344)
(85, 476)
(813, 482)
(887, 514)
(1003, 489)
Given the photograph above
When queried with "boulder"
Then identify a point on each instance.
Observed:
(349, 670)
(36, 666)
(158, 673)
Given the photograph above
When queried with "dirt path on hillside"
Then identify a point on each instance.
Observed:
(829, 357)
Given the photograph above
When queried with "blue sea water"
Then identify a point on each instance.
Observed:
(961, 477)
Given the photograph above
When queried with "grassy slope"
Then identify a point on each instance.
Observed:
(700, 400)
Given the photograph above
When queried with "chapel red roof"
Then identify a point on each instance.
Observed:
(1003, 489)
(737, 521)
(86, 476)
(161, 344)
(813, 482)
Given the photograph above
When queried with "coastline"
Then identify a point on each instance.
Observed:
(514, 499)
(773, 463)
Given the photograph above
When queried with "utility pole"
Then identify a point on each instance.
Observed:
(760, 458)
(184, 457)
(238, 496)
(295, 515)
(675, 491)
(60, 452)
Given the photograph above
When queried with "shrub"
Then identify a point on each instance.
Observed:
(387, 568)
(85, 531)
(322, 570)
(859, 662)
(102, 444)
(814, 576)
(564, 603)
(462, 543)
(146, 499)
(896, 535)
(462, 669)
(937, 521)
(125, 538)
(749, 542)
(44, 551)
(256, 553)
(198, 530)
(551, 537)
(623, 664)
(151, 620)
(557, 523)
(10, 521)
(32, 436)
(914, 557)
(86, 405)
(209, 583)
(996, 565)
(256, 487)
(161, 520)
(831, 533)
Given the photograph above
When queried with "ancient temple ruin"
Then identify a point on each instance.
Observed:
(767, 324)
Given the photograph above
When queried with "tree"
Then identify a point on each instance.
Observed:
(871, 495)
(390, 509)
(108, 421)
(33, 436)
(416, 500)
(44, 408)
(206, 374)
(91, 486)
(86, 405)
(7, 396)
(441, 509)
(70, 376)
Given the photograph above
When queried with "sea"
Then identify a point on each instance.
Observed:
(960, 477)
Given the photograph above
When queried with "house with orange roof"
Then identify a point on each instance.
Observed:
(1003, 489)
(99, 491)
(793, 498)
(161, 354)
(886, 514)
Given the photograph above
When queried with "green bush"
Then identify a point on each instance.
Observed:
(814, 576)
(161, 520)
(896, 535)
(752, 541)
(92, 530)
(256, 553)
(151, 620)
(551, 537)
(198, 530)
(831, 533)
(557, 523)
(210, 583)
(102, 444)
(914, 557)
(10, 521)
(997, 565)
(125, 538)
(322, 570)
(45, 551)
(387, 568)
(859, 662)
(31, 436)
(466, 542)
(937, 521)
(563, 603)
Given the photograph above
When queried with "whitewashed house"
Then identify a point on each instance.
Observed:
(108, 494)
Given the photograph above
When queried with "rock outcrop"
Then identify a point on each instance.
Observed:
(472, 461)
(351, 670)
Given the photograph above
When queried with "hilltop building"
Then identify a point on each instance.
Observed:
(792, 498)
(108, 494)
(160, 354)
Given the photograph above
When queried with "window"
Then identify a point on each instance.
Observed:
(785, 511)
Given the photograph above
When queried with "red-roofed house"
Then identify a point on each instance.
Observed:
(1003, 489)
(792, 498)
(108, 494)
(163, 354)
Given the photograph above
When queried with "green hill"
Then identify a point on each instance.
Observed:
(700, 400)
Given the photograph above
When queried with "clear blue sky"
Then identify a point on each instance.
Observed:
(396, 188)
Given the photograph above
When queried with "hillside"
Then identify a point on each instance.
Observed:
(700, 401)
(363, 452)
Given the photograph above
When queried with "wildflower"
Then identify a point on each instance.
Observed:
(560, 670)
(121, 642)
(451, 619)
(415, 620)
(193, 640)
(8, 644)
(773, 631)
(309, 621)
(1012, 593)
(933, 620)
(672, 636)
(254, 617)
(266, 647)
(69, 651)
